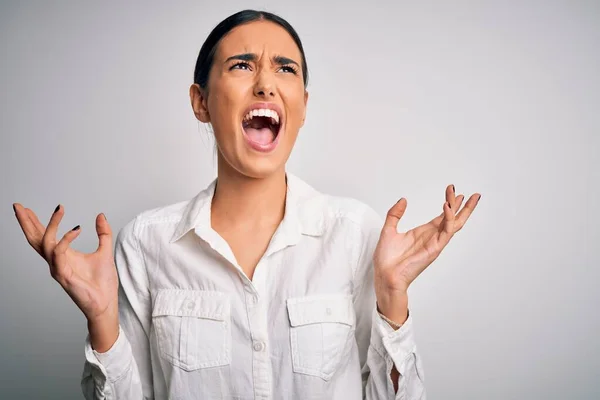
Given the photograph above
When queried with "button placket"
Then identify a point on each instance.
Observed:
(257, 318)
(250, 295)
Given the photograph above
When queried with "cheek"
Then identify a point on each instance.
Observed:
(222, 103)
(221, 119)
(296, 107)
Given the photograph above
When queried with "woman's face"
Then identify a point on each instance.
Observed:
(255, 98)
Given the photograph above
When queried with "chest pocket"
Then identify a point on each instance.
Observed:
(193, 327)
(321, 331)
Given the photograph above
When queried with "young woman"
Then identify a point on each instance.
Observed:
(259, 287)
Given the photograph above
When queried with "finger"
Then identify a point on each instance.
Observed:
(438, 220)
(49, 239)
(394, 214)
(59, 254)
(465, 213)
(452, 200)
(104, 234)
(33, 236)
(454, 207)
(447, 224)
(448, 218)
(450, 196)
(41, 229)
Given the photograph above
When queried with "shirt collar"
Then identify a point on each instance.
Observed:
(301, 216)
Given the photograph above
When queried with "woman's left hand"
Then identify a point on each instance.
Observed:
(400, 257)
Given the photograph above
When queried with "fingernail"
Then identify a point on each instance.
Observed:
(453, 191)
(104, 215)
(15, 208)
(56, 209)
(74, 229)
(479, 198)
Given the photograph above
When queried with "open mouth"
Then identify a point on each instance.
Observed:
(261, 126)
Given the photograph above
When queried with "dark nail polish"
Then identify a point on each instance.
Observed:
(57, 207)
(453, 191)
(15, 209)
(74, 229)
(479, 198)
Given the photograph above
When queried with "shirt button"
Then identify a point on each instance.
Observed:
(259, 346)
(191, 305)
(328, 311)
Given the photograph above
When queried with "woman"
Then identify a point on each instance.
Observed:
(259, 287)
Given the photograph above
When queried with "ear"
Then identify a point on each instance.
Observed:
(305, 101)
(199, 104)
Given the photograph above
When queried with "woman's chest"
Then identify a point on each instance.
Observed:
(294, 318)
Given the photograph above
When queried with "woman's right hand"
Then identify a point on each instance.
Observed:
(91, 280)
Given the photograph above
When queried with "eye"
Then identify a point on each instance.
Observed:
(289, 69)
(240, 65)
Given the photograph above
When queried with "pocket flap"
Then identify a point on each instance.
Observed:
(323, 308)
(192, 303)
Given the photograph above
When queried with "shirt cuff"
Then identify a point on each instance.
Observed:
(397, 345)
(113, 363)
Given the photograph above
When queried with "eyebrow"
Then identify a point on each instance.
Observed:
(280, 60)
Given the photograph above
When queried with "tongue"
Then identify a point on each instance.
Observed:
(260, 135)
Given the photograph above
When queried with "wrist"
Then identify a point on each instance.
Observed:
(394, 308)
(104, 332)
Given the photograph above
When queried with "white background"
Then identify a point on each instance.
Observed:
(496, 97)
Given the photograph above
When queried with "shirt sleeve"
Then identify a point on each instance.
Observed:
(124, 371)
(380, 346)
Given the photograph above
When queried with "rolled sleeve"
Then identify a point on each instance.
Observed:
(399, 345)
(108, 367)
(397, 348)
(112, 359)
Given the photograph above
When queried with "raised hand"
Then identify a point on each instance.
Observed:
(401, 256)
(89, 279)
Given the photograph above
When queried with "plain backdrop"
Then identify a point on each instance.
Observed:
(496, 97)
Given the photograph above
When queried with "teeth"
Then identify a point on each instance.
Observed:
(263, 112)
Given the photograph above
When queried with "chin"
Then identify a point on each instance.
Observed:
(250, 163)
(260, 167)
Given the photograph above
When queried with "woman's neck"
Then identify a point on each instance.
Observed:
(244, 202)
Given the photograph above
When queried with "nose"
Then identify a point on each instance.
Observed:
(264, 86)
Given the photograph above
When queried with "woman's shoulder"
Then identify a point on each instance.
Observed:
(348, 208)
(345, 220)
(334, 209)
(161, 220)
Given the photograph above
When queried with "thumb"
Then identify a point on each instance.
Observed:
(394, 214)
(104, 233)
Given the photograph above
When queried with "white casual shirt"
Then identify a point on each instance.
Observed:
(193, 326)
